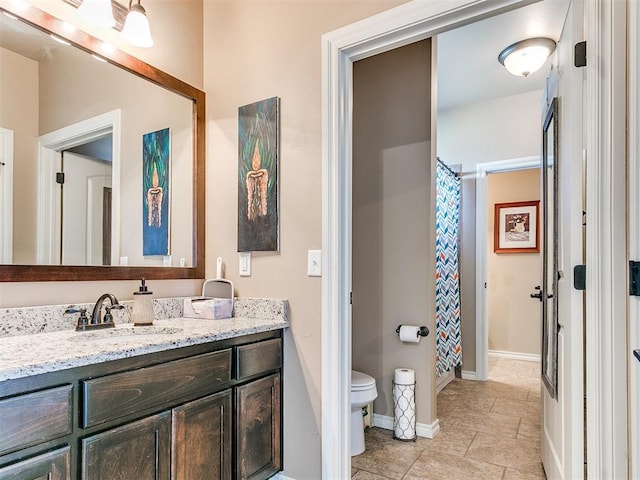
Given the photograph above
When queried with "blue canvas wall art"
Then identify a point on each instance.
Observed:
(156, 147)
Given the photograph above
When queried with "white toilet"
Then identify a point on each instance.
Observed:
(363, 392)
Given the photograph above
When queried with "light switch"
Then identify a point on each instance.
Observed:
(314, 263)
(245, 264)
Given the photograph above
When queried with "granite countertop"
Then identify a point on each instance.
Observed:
(41, 339)
(25, 355)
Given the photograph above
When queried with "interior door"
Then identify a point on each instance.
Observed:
(562, 372)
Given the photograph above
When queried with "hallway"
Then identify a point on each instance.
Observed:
(489, 430)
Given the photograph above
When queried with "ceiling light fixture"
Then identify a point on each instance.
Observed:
(136, 29)
(526, 56)
(98, 12)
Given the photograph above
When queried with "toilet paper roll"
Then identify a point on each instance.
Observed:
(409, 333)
(404, 404)
(404, 376)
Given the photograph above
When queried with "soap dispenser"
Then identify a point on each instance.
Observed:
(142, 306)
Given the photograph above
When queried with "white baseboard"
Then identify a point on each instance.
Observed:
(527, 357)
(281, 476)
(466, 375)
(444, 380)
(422, 429)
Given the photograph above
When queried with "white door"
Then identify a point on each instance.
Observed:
(6, 195)
(562, 433)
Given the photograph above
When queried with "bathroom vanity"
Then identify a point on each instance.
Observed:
(205, 402)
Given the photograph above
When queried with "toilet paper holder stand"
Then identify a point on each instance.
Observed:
(422, 332)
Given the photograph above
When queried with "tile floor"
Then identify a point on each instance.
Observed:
(488, 430)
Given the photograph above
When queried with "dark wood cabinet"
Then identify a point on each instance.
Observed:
(201, 441)
(140, 450)
(204, 412)
(55, 465)
(258, 448)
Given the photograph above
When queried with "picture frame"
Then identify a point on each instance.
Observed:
(516, 227)
(258, 172)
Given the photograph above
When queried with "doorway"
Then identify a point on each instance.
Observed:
(50, 148)
(405, 24)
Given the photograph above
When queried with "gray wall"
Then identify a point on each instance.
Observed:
(393, 271)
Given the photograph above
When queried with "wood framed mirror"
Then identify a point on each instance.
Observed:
(123, 256)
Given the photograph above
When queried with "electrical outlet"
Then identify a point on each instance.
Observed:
(245, 264)
(314, 263)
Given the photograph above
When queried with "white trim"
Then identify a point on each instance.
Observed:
(444, 380)
(634, 234)
(423, 430)
(467, 375)
(606, 250)
(527, 357)
(482, 319)
(6, 190)
(48, 203)
(399, 26)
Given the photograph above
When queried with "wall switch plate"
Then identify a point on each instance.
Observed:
(245, 264)
(314, 263)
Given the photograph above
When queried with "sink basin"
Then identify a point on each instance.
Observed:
(125, 334)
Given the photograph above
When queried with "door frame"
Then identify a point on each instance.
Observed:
(48, 203)
(6, 190)
(482, 319)
(605, 27)
(634, 233)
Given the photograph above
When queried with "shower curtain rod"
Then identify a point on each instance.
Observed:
(448, 168)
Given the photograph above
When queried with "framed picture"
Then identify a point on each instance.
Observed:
(156, 165)
(516, 227)
(258, 152)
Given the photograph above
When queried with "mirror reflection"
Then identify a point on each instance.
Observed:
(74, 186)
(550, 244)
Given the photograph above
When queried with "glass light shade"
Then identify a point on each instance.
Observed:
(527, 56)
(98, 12)
(136, 29)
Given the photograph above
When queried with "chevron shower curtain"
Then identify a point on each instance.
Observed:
(448, 341)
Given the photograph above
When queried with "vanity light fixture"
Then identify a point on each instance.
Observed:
(136, 29)
(526, 56)
(98, 12)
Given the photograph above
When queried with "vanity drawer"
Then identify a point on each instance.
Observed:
(257, 358)
(121, 394)
(35, 418)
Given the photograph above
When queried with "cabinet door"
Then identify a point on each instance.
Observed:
(258, 428)
(139, 450)
(201, 441)
(53, 465)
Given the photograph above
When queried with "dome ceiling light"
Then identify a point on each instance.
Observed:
(526, 56)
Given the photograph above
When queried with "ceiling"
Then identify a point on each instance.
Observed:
(468, 67)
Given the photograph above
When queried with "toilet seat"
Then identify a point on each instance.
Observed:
(361, 381)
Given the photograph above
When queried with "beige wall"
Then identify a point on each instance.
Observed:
(19, 112)
(255, 50)
(514, 317)
(498, 129)
(392, 266)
